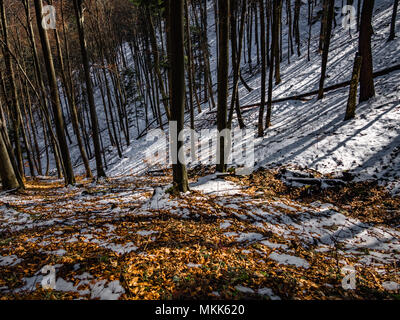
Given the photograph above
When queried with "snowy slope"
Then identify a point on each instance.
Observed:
(306, 133)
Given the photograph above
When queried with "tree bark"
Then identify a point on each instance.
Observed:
(223, 72)
(367, 88)
(263, 72)
(15, 106)
(327, 41)
(355, 78)
(176, 48)
(393, 23)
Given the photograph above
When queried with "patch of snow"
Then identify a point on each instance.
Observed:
(9, 261)
(289, 260)
(244, 289)
(268, 292)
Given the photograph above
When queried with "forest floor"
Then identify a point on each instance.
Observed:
(231, 237)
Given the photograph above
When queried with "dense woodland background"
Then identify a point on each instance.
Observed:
(50, 78)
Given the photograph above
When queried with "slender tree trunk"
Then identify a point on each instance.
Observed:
(311, 11)
(263, 72)
(358, 14)
(327, 41)
(156, 56)
(274, 58)
(236, 58)
(352, 101)
(223, 72)
(55, 98)
(324, 24)
(89, 88)
(278, 17)
(393, 23)
(71, 99)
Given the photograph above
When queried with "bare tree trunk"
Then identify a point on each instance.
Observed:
(8, 177)
(223, 72)
(236, 58)
(324, 24)
(15, 106)
(263, 72)
(367, 88)
(89, 88)
(311, 11)
(274, 43)
(393, 23)
(278, 17)
(355, 78)
(297, 7)
(327, 41)
(58, 117)
(176, 49)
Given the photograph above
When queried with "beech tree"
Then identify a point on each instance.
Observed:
(176, 48)
(367, 88)
(223, 72)
(13, 88)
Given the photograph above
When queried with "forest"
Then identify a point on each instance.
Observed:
(199, 149)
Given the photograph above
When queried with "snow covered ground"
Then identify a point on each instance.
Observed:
(309, 134)
(73, 227)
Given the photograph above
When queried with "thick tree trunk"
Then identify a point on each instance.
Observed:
(367, 88)
(8, 176)
(297, 7)
(15, 106)
(176, 48)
